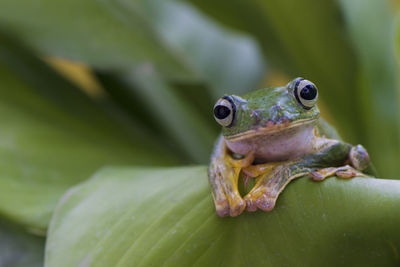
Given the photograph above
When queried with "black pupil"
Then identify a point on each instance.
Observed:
(221, 112)
(309, 92)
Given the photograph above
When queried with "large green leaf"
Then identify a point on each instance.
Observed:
(153, 217)
(20, 249)
(53, 136)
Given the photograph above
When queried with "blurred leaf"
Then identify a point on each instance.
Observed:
(143, 217)
(19, 249)
(53, 136)
(90, 31)
(226, 61)
(346, 47)
(176, 39)
(179, 114)
(159, 102)
(371, 25)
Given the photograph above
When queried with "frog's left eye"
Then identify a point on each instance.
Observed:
(306, 93)
(224, 111)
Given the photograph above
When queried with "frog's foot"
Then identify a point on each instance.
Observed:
(224, 174)
(227, 199)
(261, 198)
(229, 202)
(232, 207)
(222, 207)
(236, 206)
(342, 172)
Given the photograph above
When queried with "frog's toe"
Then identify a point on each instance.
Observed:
(348, 173)
(237, 206)
(260, 200)
(222, 208)
(321, 174)
(342, 172)
(265, 203)
(250, 204)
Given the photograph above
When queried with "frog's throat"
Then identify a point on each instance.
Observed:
(270, 129)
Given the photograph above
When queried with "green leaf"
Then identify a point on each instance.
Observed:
(166, 216)
(52, 136)
(228, 62)
(18, 248)
(91, 31)
(371, 25)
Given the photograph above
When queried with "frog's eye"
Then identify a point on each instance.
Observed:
(224, 111)
(306, 93)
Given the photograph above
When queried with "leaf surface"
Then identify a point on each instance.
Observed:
(166, 216)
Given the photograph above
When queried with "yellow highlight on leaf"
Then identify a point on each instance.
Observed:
(78, 73)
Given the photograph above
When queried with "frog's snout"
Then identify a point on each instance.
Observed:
(277, 122)
(275, 116)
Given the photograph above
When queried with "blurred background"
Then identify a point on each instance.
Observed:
(86, 84)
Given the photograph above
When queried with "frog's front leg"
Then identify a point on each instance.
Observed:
(328, 159)
(224, 173)
(269, 185)
(358, 159)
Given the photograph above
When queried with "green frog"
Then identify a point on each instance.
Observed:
(275, 135)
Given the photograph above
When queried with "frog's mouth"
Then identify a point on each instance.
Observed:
(271, 128)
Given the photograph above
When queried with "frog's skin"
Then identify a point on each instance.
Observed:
(274, 136)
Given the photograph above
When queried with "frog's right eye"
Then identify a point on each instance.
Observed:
(305, 92)
(224, 111)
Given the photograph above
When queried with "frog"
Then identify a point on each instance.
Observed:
(275, 135)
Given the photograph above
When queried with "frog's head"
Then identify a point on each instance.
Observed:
(268, 111)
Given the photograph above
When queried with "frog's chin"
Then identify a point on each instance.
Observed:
(275, 142)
